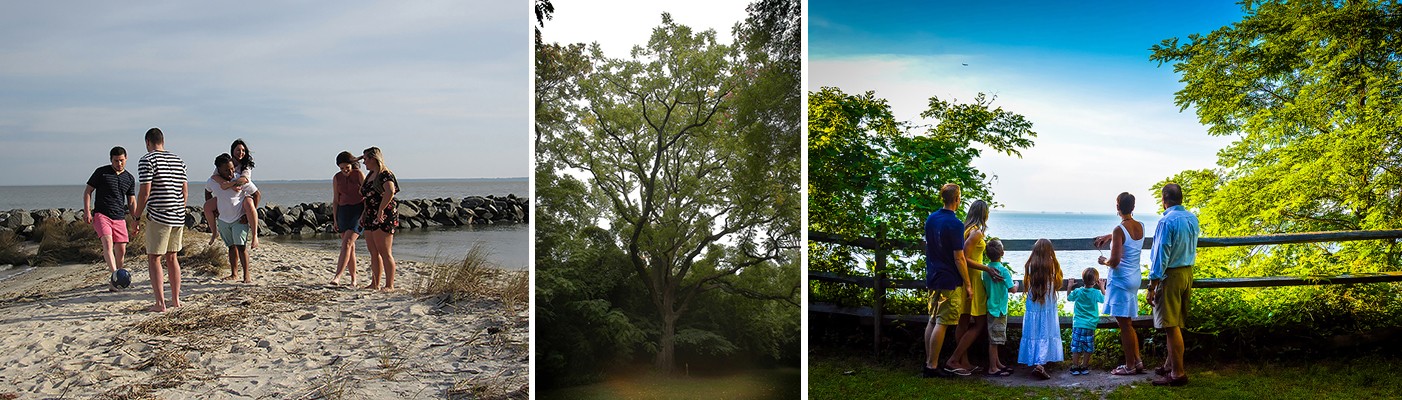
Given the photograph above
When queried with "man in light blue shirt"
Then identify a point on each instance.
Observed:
(1171, 279)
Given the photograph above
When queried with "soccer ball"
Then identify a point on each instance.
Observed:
(121, 279)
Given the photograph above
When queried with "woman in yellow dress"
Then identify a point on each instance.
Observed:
(973, 319)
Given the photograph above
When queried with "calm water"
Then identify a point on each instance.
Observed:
(1030, 225)
(1034, 225)
(287, 193)
(506, 242)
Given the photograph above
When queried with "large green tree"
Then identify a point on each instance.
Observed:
(687, 171)
(1312, 93)
(867, 170)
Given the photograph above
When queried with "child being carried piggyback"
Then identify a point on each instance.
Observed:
(1087, 297)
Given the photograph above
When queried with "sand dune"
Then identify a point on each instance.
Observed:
(287, 335)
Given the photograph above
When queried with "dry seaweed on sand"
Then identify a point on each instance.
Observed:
(130, 391)
(192, 320)
(494, 387)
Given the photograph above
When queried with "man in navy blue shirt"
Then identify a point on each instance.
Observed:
(946, 275)
(107, 212)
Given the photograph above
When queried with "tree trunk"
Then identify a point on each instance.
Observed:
(666, 356)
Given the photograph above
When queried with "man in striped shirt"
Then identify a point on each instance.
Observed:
(164, 188)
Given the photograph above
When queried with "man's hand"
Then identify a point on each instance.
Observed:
(87, 216)
(253, 244)
(1102, 262)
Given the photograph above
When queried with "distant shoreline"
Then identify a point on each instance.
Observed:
(427, 180)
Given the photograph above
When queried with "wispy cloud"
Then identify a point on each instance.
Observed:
(440, 86)
(1099, 133)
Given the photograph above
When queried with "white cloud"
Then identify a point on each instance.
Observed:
(1098, 135)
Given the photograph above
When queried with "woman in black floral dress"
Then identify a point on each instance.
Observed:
(381, 217)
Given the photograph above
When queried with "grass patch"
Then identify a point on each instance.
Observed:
(475, 277)
(205, 260)
(390, 365)
(752, 384)
(64, 242)
(11, 252)
(1369, 377)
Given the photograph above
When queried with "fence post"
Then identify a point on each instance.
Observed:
(879, 288)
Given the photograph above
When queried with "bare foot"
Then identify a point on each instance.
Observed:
(246, 280)
(387, 289)
(157, 308)
(372, 287)
(175, 304)
(352, 281)
(229, 278)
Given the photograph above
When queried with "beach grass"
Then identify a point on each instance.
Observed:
(473, 276)
(65, 242)
(205, 259)
(11, 251)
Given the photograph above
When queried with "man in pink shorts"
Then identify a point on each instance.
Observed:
(107, 212)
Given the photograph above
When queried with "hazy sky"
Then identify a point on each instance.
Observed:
(1080, 72)
(440, 86)
(621, 25)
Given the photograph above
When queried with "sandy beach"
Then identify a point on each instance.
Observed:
(286, 335)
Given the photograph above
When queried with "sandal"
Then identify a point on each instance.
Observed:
(1167, 381)
(1123, 370)
(1139, 367)
(1001, 372)
(958, 371)
(1161, 371)
(1040, 373)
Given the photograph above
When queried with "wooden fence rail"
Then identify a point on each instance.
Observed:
(882, 246)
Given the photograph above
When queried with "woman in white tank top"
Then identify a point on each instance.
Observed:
(1122, 294)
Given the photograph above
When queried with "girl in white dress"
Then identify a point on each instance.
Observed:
(1041, 329)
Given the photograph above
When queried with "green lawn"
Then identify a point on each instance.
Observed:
(753, 384)
(1370, 377)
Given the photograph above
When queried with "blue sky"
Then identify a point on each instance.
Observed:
(1079, 71)
(441, 86)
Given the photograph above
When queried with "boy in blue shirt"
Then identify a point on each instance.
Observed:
(997, 307)
(1087, 316)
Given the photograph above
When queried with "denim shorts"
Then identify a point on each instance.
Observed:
(348, 217)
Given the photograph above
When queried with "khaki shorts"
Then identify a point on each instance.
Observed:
(1171, 307)
(945, 305)
(162, 239)
(998, 330)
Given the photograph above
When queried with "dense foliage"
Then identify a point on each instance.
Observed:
(1312, 92)
(667, 207)
(868, 172)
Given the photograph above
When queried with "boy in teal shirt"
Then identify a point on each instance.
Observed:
(997, 307)
(1087, 316)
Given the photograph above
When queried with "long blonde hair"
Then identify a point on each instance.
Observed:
(1042, 270)
(375, 153)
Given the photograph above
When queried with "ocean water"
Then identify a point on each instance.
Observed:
(507, 243)
(1015, 225)
(1036, 225)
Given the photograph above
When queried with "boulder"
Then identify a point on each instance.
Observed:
(18, 219)
(406, 210)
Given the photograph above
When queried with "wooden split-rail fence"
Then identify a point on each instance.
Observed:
(882, 247)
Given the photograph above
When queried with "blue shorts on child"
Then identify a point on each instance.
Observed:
(1082, 340)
